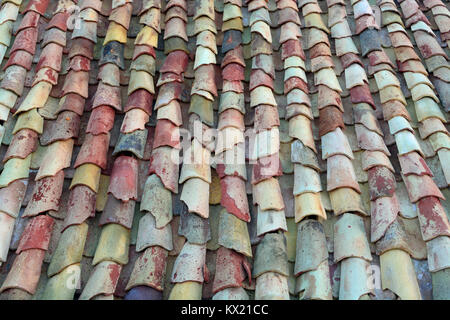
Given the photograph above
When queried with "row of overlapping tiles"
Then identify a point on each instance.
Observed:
(205, 238)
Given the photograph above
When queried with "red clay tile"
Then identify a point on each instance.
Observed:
(47, 75)
(266, 117)
(330, 119)
(94, 4)
(384, 212)
(39, 6)
(167, 170)
(59, 21)
(51, 57)
(168, 92)
(155, 278)
(234, 56)
(82, 47)
(80, 63)
(295, 83)
(361, 94)
(381, 182)
(341, 174)
(73, 102)
(235, 86)
(260, 78)
(320, 63)
(260, 63)
(46, 195)
(432, 218)
(292, 48)
(288, 15)
(166, 134)
(350, 58)
(266, 168)
(418, 16)
(234, 197)
(419, 187)
(94, 150)
(432, 3)
(364, 22)
(81, 205)
(25, 40)
(36, 234)
(320, 49)
(11, 197)
(328, 97)
(406, 53)
(233, 72)
(231, 118)
(101, 120)
(107, 96)
(143, 49)
(121, 15)
(22, 144)
(123, 181)
(413, 163)
(30, 20)
(378, 57)
(169, 77)
(394, 108)
(175, 62)
(231, 270)
(428, 45)
(178, 3)
(140, 99)
(117, 211)
(21, 58)
(205, 79)
(76, 82)
(411, 66)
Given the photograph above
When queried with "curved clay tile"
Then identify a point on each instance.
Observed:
(102, 281)
(134, 120)
(234, 197)
(77, 214)
(292, 48)
(231, 118)
(11, 197)
(190, 265)
(381, 182)
(36, 234)
(46, 195)
(341, 174)
(151, 235)
(141, 99)
(266, 168)
(266, 117)
(159, 161)
(20, 58)
(30, 20)
(25, 271)
(149, 274)
(117, 211)
(59, 20)
(123, 183)
(330, 119)
(25, 40)
(94, 150)
(231, 270)
(432, 218)
(419, 187)
(22, 144)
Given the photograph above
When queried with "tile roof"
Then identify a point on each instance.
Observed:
(314, 157)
